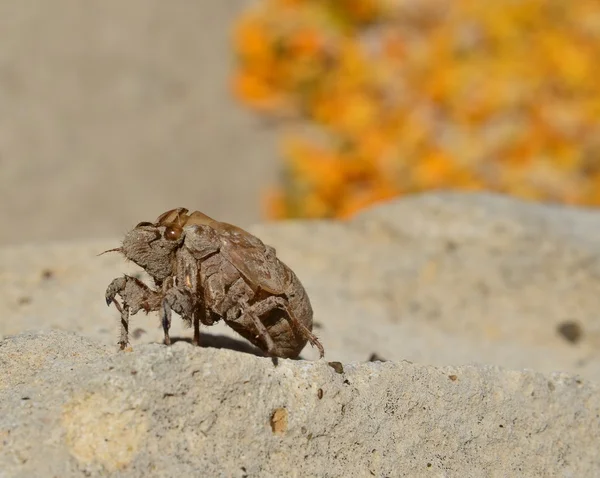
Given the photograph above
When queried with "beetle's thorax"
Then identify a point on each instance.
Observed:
(202, 241)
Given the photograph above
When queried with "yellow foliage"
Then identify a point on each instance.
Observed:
(469, 95)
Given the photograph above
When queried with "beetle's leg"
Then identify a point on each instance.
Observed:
(180, 301)
(136, 295)
(124, 311)
(273, 302)
(221, 286)
(263, 333)
(222, 298)
(305, 332)
(165, 319)
(188, 282)
(196, 339)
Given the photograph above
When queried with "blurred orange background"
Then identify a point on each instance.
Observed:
(382, 98)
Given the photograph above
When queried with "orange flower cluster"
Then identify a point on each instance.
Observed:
(390, 97)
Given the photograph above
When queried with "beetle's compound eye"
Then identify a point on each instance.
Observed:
(141, 224)
(173, 232)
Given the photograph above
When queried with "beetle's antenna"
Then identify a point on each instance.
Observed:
(116, 249)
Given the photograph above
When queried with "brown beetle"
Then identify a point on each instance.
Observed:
(205, 271)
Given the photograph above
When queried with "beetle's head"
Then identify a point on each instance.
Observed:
(153, 248)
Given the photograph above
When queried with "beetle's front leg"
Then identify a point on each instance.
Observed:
(135, 295)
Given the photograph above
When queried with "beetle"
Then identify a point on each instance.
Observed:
(206, 271)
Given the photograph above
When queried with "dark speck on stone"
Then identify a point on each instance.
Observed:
(571, 331)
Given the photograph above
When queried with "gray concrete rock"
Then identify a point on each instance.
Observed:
(448, 281)
(455, 278)
(70, 408)
(436, 279)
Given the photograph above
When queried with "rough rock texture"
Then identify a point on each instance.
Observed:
(447, 281)
(183, 411)
(436, 279)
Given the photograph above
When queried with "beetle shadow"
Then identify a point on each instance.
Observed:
(222, 342)
(225, 342)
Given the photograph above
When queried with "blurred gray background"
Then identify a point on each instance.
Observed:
(114, 111)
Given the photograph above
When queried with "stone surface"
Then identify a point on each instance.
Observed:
(455, 278)
(436, 279)
(446, 287)
(185, 411)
